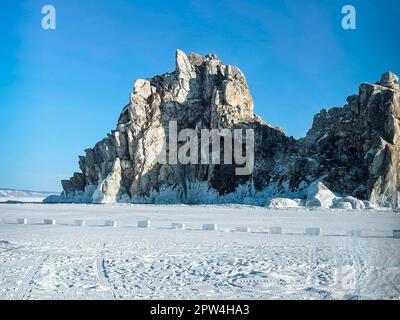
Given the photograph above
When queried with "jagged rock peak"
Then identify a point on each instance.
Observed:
(389, 79)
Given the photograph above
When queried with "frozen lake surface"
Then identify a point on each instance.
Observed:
(64, 261)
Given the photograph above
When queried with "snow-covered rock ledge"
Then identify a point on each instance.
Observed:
(317, 195)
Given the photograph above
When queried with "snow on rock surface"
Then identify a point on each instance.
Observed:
(109, 189)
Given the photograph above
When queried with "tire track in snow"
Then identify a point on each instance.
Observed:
(10, 249)
(320, 276)
(358, 256)
(310, 261)
(20, 293)
(102, 275)
(348, 268)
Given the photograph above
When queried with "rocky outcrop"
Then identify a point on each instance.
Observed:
(356, 148)
(352, 151)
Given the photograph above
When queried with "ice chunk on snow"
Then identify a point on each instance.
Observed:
(312, 231)
(79, 222)
(110, 223)
(178, 226)
(144, 223)
(22, 221)
(348, 203)
(279, 203)
(318, 195)
(210, 227)
(275, 230)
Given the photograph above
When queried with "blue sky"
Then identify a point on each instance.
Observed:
(62, 90)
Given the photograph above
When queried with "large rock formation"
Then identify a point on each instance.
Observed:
(352, 150)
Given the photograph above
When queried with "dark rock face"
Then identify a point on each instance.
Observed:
(353, 150)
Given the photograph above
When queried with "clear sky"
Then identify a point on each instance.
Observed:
(62, 90)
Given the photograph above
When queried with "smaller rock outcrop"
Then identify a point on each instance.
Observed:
(355, 149)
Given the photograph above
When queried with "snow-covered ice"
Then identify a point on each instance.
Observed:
(65, 261)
